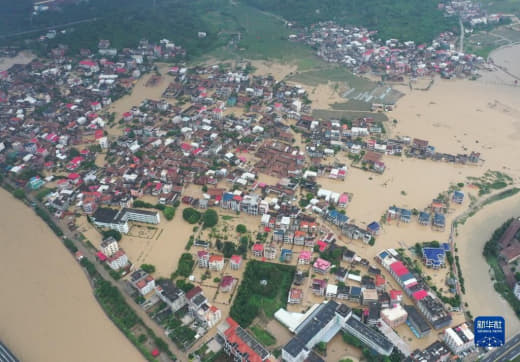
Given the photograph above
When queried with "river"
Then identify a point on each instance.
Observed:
(47, 310)
(480, 295)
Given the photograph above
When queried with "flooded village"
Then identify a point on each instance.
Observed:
(236, 219)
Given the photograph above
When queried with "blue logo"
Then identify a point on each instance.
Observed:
(490, 331)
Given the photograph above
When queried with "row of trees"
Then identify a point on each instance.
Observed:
(209, 217)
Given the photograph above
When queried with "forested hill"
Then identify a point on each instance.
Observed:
(418, 20)
(125, 22)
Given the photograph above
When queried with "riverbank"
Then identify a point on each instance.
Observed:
(49, 312)
(480, 294)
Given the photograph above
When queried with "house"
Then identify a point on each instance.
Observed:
(511, 253)
(459, 339)
(304, 258)
(405, 215)
(395, 316)
(117, 260)
(227, 284)
(286, 255)
(337, 218)
(270, 252)
(203, 256)
(235, 262)
(369, 296)
(349, 255)
(380, 282)
(424, 218)
(143, 282)
(319, 286)
(374, 228)
(331, 291)
(295, 296)
(439, 221)
(343, 292)
(170, 294)
(434, 257)
(216, 262)
(258, 250)
(321, 266)
(417, 322)
(341, 274)
(458, 197)
(355, 293)
(240, 344)
(207, 314)
(109, 246)
(396, 296)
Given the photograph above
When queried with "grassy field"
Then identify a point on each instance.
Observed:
(263, 336)
(484, 42)
(253, 34)
(502, 6)
(262, 292)
(349, 115)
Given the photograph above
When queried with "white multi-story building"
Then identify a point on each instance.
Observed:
(516, 290)
(118, 260)
(459, 339)
(118, 220)
(109, 246)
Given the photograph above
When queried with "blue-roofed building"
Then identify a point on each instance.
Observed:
(355, 293)
(374, 228)
(406, 215)
(446, 246)
(278, 235)
(439, 221)
(434, 257)
(458, 197)
(424, 218)
(36, 182)
(336, 217)
(286, 255)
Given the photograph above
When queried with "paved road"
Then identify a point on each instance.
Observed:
(506, 353)
(88, 252)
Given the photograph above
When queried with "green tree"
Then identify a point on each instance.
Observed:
(19, 194)
(112, 233)
(241, 229)
(149, 268)
(210, 218)
(169, 212)
(73, 152)
(191, 215)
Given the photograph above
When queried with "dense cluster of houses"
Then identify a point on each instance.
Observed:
(359, 49)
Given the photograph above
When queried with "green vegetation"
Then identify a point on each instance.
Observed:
(112, 233)
(184, 285)
(185, 266)
(47, 218)
(191, 215)
(459, 272)
(241, 229)
(210, 218)
(491, 180)
(331, 114)
(149, 268)
(123, 316)
(42, 193)
(321, 347)
(70, 245)
(502, 6)
(263, 336)
(263, 290)
(491, 252)
(19, 194)
(418, 20)
(182, 336)
(169, 212)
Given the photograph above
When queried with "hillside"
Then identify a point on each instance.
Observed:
(259, 22)
(418, 20)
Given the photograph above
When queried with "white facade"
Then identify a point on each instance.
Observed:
(459, 339)
(118, 261)
(109, 246)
